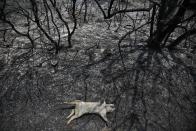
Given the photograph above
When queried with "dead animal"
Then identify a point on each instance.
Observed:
(82, 108)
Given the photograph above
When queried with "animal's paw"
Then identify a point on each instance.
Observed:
(108, 123)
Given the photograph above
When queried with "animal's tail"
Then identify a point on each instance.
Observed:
(69, 102)
(72, 102)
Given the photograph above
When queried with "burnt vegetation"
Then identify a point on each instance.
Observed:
(137, 54)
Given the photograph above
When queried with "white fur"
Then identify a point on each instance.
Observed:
(82, 108)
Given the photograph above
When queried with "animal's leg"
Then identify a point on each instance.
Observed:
(103, 115)
(72, 118)
(106, 120)
(71, 114)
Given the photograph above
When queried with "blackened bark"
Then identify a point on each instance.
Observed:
(166, 23)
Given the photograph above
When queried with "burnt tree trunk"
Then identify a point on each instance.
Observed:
(170, 13)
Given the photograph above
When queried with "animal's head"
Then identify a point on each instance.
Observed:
(109, 107)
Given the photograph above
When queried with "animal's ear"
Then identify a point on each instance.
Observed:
(104, 102)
